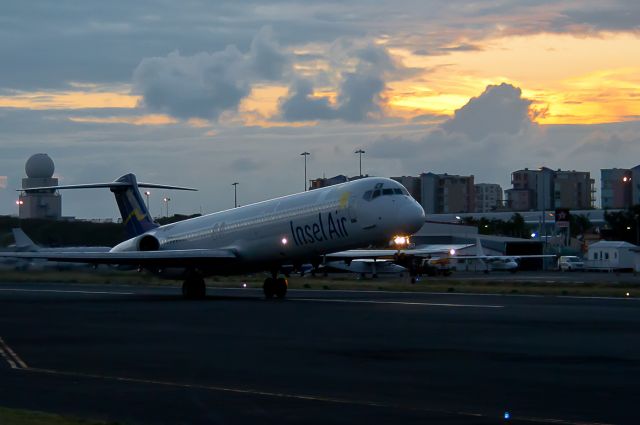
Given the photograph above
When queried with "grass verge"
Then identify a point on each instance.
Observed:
(29, 417)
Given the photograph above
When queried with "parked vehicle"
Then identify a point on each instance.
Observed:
(568, 263)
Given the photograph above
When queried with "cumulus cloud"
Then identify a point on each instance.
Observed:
(499, 109)
(205, 85)
(359, 91)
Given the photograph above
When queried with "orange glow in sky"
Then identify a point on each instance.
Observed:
(577, 80)
(573, 80)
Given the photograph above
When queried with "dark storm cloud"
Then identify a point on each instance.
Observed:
(300, 105)
(207, 84)
(499, 109)
(102, 42)
(622, 15)
(359, 91)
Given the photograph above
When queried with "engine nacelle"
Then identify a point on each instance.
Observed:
(144, 242)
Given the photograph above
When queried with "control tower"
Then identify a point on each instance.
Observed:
(43, 203)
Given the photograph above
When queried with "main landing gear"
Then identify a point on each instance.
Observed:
(275, 287)
(194, 288)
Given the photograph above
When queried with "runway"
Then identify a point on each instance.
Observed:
(143, 355)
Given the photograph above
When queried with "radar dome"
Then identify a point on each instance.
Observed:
(39, 166)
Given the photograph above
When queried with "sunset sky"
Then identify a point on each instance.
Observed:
(203, 94)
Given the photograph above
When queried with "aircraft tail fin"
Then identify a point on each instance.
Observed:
(134, 212)
(23, 242)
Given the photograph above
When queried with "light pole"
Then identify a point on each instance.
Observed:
(166, 201)
(147, 193)
(235, 194)
(305, 154)
(360, 152)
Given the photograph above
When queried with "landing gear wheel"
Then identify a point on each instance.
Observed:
(281, 287)
(194, 288)
(269, 287)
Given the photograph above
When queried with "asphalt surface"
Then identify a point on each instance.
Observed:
(142, 355)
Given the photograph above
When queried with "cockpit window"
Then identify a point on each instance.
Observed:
(376, 193)
(367, 195)
(387, 191)
(397, 191)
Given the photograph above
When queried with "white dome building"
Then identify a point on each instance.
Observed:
(45, 203)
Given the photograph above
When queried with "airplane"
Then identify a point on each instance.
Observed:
(425, 259)
(508, 263)
(24, 243)
(364, 267)
(267, 235)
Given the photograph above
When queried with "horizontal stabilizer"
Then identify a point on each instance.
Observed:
(109, 185)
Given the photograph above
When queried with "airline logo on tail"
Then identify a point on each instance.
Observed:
(137, 214)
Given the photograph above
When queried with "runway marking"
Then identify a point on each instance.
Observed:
(66, 291)
(17, 363)
(335, 300)
(305, 397)
(11, 357)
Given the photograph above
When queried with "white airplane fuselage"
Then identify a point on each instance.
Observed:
(295, 228)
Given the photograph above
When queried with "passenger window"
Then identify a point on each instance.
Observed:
(397, 191)
(376, 193)
(367, 195)
(387, 191)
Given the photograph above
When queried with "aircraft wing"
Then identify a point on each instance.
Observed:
(504, 257)
(162, 258)
(422, 251)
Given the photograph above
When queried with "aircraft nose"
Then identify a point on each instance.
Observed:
(411, 217)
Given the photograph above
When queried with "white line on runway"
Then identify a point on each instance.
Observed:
(64, 291)
(17, 363)
(11, 357)
(284, 395)
(335, 300)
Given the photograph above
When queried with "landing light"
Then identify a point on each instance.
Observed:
(452, 251)
(284, 241)
(401, 240)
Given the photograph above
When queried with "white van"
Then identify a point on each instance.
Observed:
(570, 263)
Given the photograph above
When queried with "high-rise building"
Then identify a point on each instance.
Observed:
(447, 193)
(573, 190)
(635, 185)
(412, 184)
(545, 189)
(616, 188)
(488, 197)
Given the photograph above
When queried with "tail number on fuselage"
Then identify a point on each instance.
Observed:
(326, 229)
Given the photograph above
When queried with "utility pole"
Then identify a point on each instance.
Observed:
(360, 152)
(235, 194)
(305, 155)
